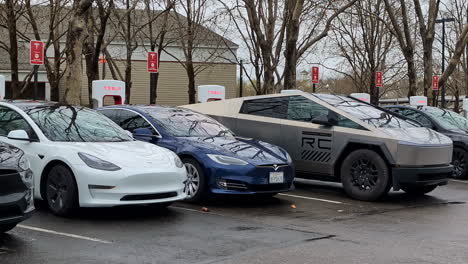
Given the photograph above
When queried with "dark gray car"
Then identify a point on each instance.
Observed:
(16, 187)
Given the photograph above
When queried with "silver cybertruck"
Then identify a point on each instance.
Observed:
(338, 138)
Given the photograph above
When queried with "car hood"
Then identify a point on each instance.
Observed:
(418, 136)
(129, 154)
(253, 151)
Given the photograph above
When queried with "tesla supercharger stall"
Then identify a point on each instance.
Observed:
(103, 88)
(2, 87)
(418, 100)
(207, 93)
(465, 107)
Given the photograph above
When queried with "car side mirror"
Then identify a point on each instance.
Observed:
(144, 132)
(19, 135)
(331, 119)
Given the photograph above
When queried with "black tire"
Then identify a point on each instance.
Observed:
(7, 227)
(202, 191)
(365, 175)
(160, 206)
(459, 162)
(418, 190)
(61, 191)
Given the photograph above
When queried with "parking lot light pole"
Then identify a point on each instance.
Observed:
(442, 88)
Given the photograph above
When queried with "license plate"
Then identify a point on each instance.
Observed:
(276, 177)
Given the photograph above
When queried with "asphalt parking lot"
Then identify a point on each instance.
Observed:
(316, 223)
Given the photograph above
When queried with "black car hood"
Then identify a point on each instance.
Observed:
(254, 151)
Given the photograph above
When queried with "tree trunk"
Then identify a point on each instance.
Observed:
(294, 9)
(459, 47)
(191, 82)
(13, 49)
(76, 35)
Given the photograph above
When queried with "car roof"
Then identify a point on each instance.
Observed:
(146, 108)
(30, 104)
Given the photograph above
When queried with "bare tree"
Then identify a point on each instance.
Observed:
(459, 49)
(76, 35)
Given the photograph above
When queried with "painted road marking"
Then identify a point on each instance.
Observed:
(311, 198)
(64, 234)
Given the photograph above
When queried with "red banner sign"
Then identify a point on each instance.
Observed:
(36, 54)
(435, 82)
(153, 62)
(315, 74)
(379, 79)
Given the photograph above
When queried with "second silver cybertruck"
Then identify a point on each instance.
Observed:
(338, 138)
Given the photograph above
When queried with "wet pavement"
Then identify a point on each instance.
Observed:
(316, 223)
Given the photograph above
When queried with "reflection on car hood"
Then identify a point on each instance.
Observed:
(418, 135)
(9, 156)
(130, 154)
(254, 151)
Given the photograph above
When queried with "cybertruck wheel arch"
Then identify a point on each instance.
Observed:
(352, 145)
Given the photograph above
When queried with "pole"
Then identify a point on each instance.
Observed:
(36, 69)
(152, 88)
(313, 88)
(443, 63)
(241, 81)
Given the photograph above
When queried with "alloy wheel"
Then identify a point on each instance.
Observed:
(57, 191)
(192, 184)
(364, 174)
(459, 163)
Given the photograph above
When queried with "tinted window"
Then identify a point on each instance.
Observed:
(112, 114)
(11, 120)
(130, 121)
(415, 115)
(184, 123)
(276, 107)
(76, 124)
(303, 109)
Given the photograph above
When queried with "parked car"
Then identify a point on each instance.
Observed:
(16, 187)
(217, 161)
(341, 139)
(446, 122)
(82, 158)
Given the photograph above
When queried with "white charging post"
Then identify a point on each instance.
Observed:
(104, 88)
(2, 87)
(207, 93)
(361, 96)
(418, 100)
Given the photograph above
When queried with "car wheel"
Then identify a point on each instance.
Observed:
(459, 160)
(365, 175)
(418, 190)
(195, 185)
(61, 191)
(6, 228)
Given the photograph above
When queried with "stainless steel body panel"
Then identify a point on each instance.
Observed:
(317, 149)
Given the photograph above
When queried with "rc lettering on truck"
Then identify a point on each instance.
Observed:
(316, 147)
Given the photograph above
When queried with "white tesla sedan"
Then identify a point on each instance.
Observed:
(81, 158)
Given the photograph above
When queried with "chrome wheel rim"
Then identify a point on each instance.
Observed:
(192, 183)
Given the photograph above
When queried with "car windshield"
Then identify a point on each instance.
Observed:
(184, 123)
(366, 113)
(447, 119)
(76, 124)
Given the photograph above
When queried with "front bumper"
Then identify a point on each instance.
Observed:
(15, 208)
(129, 186)
(248, 179)
(422, 176)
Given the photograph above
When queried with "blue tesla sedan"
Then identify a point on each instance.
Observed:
(217, 161)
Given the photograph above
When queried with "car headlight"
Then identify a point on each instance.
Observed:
(288, 157)
(23, 163)
(97, 163)
(177, 161)
(226, 160)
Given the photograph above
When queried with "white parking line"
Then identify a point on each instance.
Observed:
(465, 182)
(312, 198)
(64, 234)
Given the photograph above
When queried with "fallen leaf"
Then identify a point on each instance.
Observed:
(293, 206)
(204, 209)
